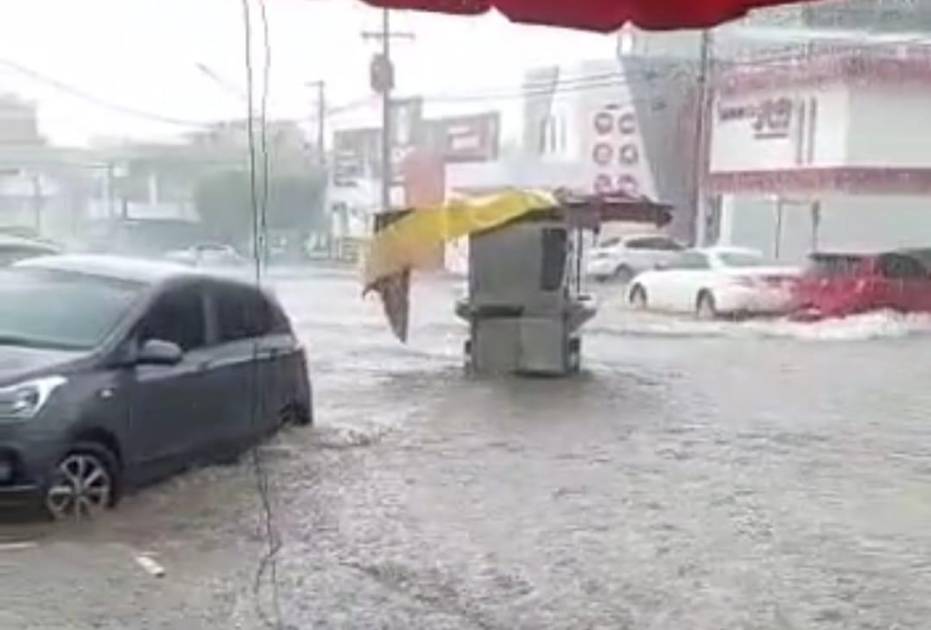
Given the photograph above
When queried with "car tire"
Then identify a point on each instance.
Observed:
(623, 274)
(705, 307)
(293, 414)
(301, 416)
(574, 357)
(638, 298)
(84, 482)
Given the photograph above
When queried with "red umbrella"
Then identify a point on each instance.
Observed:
(596, 15)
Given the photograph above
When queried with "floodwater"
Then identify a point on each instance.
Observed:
(708, 476)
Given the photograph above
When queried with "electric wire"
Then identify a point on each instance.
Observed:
(268, 562)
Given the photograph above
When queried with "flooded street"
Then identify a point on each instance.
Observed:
(707, 476)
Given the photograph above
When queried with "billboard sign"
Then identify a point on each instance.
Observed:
(472, 138)
(406, 134)
(355, 151)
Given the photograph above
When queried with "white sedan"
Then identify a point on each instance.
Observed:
(622, 258)
(208, 255)
(714, 282)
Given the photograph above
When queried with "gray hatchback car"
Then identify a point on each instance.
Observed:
(116, 372)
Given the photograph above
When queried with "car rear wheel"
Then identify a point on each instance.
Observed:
(705, 308)
(84, 483)
(638, 298)
(623, 274)
(294, 414)
(297, 414)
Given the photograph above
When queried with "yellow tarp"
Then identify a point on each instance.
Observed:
(410, 241)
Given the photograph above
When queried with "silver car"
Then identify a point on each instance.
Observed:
(623, 258)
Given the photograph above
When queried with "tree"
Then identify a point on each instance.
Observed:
(295, 205)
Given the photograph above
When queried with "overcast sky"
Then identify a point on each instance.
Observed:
(143, 54)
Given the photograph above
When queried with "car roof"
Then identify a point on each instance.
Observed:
(18, 242)
(922, 255)
(636, 235)
(112, 267)
(128, 269)
(633, 236)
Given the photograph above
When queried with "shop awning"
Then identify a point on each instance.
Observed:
(596, 15)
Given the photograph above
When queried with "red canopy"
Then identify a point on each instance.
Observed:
(596, 15)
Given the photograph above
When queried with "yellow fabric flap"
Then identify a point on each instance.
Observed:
(409, 242)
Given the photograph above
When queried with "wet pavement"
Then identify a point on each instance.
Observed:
(708, 476)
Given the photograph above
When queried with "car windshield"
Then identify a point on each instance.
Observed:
(45, 309)
(742, 259)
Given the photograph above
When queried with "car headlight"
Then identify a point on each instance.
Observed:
(24, 400)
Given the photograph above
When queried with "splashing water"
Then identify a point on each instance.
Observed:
(875, 325)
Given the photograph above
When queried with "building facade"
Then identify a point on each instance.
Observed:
(827, 152)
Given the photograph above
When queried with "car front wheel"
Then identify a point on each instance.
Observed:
(84, 483)
(705, 307)
(638, 298)
(623, 274)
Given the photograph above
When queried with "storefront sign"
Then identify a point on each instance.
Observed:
(769, 118)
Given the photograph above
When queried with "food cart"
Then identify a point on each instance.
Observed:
(526, 302)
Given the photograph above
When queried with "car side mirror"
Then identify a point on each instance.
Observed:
(159, 352)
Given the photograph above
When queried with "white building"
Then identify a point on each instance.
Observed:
(602, 126)
(829, 151)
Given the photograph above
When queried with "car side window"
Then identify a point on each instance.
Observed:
(177, 316)
(242, 313)
(692, 260)
(280, 323)
(665, 244)
(659, 243)
(639, 243)
(901, 268)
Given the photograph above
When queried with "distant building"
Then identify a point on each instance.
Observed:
(43, 189)
(424, 150)
(616, 124)
(829, 151)
(19, 122)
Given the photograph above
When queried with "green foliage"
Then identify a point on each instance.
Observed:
(295, 203)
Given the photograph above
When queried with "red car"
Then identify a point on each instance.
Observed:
(836, 285)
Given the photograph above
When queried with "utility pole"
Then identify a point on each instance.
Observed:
(321, 158)
(700, 152)
(321, 120)
(386, 175)
(382, 79)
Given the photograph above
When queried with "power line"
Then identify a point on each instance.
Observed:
(269, 559)
(579, 84)
(96, 100)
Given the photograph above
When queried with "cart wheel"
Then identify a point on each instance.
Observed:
(574, 357)
(467, 363)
